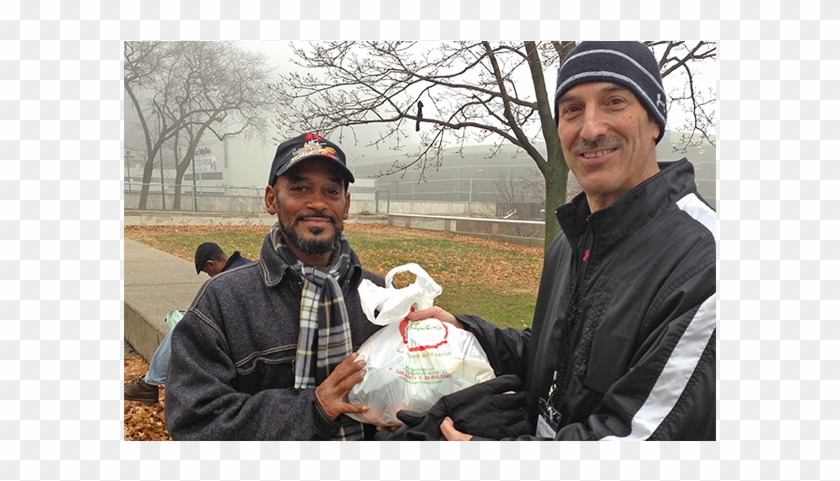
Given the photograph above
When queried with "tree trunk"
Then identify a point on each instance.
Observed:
(177, 203)
(180, 170)
(556, 177)
(147, 179)
(185, 163)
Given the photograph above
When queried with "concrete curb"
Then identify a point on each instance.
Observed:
(156, 217)
(155, 283)
(150, 217)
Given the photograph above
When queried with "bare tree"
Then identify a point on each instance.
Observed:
(511, 194)
(143, 63)
(533, 185)
(182, 91)
(469, 91)
(677, 58)
(508, 190)
(519, 190)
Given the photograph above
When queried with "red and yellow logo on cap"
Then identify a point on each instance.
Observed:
(313, 148)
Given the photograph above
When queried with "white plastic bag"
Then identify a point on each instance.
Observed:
(412, 364)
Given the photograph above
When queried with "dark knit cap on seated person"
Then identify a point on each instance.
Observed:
(629, 64)
(307, 146)
(205, 252)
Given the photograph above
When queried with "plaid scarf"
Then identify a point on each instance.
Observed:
(324, 323)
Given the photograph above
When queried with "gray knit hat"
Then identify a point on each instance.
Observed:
(630, 64)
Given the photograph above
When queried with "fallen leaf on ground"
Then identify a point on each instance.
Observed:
(142, 422)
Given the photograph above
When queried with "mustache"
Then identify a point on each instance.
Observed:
(598, 144)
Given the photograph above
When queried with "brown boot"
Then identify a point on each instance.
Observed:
(140, 390)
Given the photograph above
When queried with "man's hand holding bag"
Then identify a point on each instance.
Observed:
(411, 364)
(493, 409)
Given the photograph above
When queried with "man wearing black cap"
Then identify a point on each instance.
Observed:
(622, 344)
(209, 258)
(266, 351)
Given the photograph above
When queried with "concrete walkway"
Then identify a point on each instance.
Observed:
(155, 283)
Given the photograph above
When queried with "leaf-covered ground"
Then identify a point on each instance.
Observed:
(142, 422)
(494, 280)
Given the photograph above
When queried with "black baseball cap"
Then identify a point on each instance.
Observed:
(307, 146)
(205, 252)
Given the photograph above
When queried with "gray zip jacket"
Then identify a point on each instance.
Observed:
(231, 374)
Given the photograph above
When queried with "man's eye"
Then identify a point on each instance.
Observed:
(571, 109)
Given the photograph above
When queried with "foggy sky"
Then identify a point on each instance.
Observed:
(278, 54)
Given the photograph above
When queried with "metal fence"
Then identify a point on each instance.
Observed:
(229, 198)
(199, 198)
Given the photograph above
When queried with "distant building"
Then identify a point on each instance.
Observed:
(238, 167)
(475, 174)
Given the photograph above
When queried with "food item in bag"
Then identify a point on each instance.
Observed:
(412, 364)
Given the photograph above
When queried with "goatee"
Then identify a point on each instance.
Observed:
(314, 247)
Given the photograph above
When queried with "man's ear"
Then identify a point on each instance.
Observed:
(270, 200)
(346, 205)
(656, 130)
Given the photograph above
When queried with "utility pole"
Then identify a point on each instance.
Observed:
(128, 170)
(195, 204)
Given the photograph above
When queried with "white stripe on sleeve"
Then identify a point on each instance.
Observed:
(695, 207)
(675, 375)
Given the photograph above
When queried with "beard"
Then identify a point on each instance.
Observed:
(314, 247)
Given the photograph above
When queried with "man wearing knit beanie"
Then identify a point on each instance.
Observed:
(622, 344)
(629, 64)
(609, 101)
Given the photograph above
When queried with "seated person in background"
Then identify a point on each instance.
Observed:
(209, 258)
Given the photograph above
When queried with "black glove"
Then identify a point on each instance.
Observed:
(483, 410)
(411, 429)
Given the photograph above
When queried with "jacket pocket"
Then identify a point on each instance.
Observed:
(615, 312)
(269, 369)
(606, 364)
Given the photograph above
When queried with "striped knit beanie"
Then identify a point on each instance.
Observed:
(630, 64)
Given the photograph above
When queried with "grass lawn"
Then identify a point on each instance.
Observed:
(494, 280)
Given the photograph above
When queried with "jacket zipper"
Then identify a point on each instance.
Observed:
(570, 330)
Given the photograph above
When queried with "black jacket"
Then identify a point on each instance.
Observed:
(231, 374)
(235, 260)
(634, 325)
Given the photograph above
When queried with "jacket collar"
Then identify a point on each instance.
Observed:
(633, 210)
(231, 259)
(273, 268)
